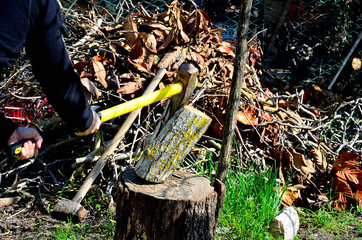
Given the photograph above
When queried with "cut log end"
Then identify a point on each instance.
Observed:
(181, 186)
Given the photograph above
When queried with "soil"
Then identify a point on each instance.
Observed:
(30, 220)
(351, 232)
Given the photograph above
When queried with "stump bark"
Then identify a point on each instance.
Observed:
(185, 206)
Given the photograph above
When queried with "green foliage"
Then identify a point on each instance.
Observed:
(70, 230)
(343, 225)
(252, 198)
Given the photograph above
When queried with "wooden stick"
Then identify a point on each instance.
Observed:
(115, 142)
(235, 93)
(345, 61)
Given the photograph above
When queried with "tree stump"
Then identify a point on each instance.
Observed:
(185, 207)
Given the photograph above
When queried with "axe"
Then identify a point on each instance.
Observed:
(181, 90)
(185, 83)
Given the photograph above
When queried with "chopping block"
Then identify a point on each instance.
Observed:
(155, 199)
(184, 207)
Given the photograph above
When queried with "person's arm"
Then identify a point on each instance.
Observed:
(53, 68)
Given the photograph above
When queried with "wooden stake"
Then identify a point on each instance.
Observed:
(235, 91)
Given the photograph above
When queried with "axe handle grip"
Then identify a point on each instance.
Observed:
(141, 102)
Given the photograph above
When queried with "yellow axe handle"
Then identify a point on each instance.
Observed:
(140, 102)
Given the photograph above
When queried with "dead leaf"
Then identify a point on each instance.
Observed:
(149, 58)
(320, 158)
(100, 72)
(132, 86)
(347, 179)
(350, 159)
(184, 36)
(288, 103)
(137, 49)
(247, 116)
(90, 87)
(130, 25)
(140, 66)
(196, 57)
(302, 162)
(155, 25)
(226, 50)
(79, 66)
(292, 193)
(150, 43)
(180, 59)
(168, 40)
(170, 58)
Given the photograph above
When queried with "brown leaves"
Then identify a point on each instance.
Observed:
(247, 116)
(174, 58)
(130, 25)
(347, 179)
(132, 86)
(291, 194)
(99, 72)
(92, 90)
(96, 71)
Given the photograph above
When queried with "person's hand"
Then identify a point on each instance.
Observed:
(93, 128)
(29, 148)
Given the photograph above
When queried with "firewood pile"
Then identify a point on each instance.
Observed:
(298, 130)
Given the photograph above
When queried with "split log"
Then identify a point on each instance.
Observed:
(285, 225)
(183, 207)
(164, 152)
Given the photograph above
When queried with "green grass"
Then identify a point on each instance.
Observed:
(330, 223)
(74, 231)
(250, 204)
(251, 201)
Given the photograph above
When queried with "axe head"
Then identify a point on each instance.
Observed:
(187, 74)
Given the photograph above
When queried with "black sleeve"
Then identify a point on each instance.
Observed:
(7, 128)
(52, 66)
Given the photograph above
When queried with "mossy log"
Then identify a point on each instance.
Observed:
(164, 152)
(184, 207)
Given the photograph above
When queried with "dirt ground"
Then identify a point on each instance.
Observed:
(31, 220)
(351, 232)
